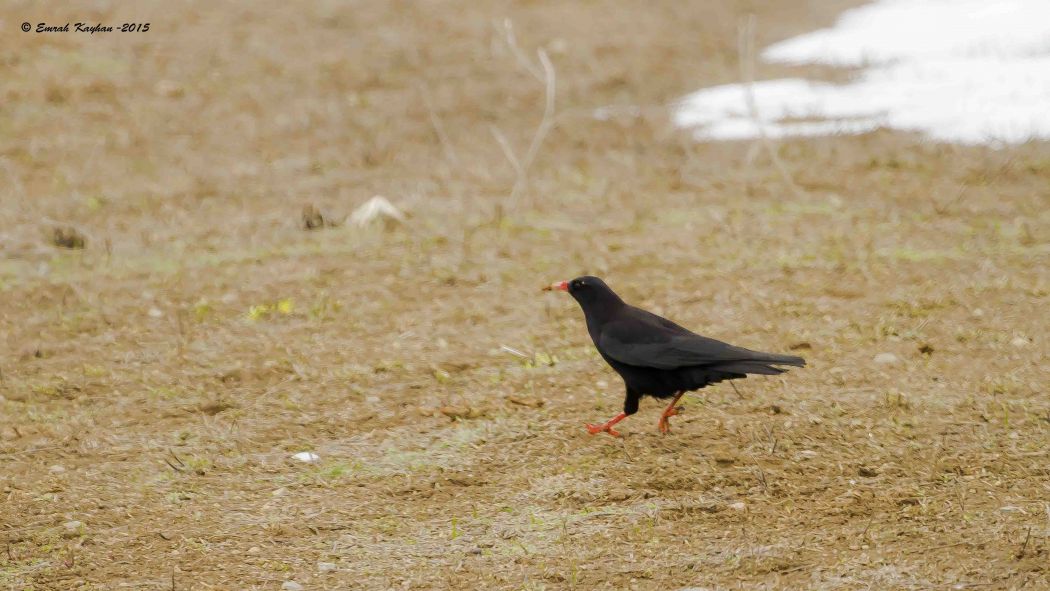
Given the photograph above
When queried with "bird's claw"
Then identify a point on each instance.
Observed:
(664, 425)
(595, 429)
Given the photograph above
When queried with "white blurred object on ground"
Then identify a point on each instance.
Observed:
(377, 207)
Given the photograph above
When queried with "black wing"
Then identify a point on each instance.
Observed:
(643, 339)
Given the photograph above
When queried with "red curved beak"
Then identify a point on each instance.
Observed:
(560, 285)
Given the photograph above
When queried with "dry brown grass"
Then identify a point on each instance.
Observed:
(154, 385)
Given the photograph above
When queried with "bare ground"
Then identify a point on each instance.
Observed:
(155, 383)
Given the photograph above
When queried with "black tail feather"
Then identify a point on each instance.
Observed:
(777, 359)
(764, 363)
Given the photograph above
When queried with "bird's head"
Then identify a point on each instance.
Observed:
(587, 290)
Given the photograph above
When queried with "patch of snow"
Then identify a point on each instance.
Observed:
(969, 71)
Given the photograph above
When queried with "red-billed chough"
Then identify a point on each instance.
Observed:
(656, 357)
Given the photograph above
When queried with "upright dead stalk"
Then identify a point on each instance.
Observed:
(746, 49)
(543, 73)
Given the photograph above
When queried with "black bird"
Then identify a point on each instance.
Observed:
(656, 357)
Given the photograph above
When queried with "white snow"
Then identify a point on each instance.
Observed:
(968, 71)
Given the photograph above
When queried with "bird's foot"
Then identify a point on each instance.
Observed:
(664, 425)
(606, 427)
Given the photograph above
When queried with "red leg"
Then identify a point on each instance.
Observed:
(607, 426)
(665, 424)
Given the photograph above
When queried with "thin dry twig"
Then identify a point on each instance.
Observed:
(439, 126)
(544, 73)
(507, 150)
(29, 451)
(952, 545)
(761, 473)
(942, 208)
(626, 452)
(541, 132)
(178, 468)
(739, 395)
(771, 437)
(746, 49)
(507, 28)
(548, 108)
(514, 352)
(1024, 546)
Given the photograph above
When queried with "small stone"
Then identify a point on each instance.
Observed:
(1020, 342)
(526, 401)
(461, 412)
(68, 238)
(291, 586)
(738, 506)
(56, 469)
(279, 492)
(73, 526)
(253, 550)
(312, 217)
(306, 456)
(885, 358)
(155, 313)
(326, 566)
